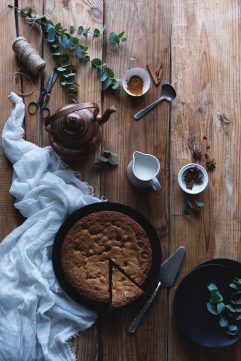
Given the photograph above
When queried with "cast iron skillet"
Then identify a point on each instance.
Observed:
(151, 280)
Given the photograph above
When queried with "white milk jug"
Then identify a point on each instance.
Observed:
(143, 170)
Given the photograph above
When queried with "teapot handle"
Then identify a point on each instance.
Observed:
(72, 109)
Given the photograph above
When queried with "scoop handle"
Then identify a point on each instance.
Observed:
(146, 110)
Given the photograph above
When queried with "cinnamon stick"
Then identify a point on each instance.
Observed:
(159, 72)
(153, 75)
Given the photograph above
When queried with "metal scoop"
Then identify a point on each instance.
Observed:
(168, 94)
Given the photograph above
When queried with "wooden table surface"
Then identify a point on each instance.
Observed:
(199, 45)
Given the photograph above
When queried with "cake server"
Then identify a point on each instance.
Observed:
(166, 278)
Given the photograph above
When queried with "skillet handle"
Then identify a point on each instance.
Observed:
(135, 323)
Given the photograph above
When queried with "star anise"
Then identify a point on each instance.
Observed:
(210, 163)
(197, 155)
(192, 176)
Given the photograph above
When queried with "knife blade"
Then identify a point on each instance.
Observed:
(168, 272)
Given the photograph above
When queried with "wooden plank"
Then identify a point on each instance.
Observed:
(33, 36)
(147, 27)
(205, 71)
(9, 217)
(88, 14)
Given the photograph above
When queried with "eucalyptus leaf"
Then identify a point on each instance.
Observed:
(109, 73)
(71, 29)
(79, 52)
(80, 30)
(223, 322)
(236, 298)
(113, 38)
(112, 162)
(107, 84)
(220, 307)
(233, 285)
(85, 32)
(96, 62)
(103, 76)
(61, 69)
(109, 152)
(116, 86)
(58, 27)
(212, 287)
(103, 159)
(51, 34)
(199, 203)
(212, 309)
(64, 41)
(96, 33)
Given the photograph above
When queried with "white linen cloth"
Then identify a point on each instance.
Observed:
(36, 318)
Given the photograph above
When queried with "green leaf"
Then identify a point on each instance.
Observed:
(236, 298)
(54, 46)
(107, 84)
(112, 162)
(96, 33)
(102, 76)
(61, 69)
(212, 309)
(233, 285)
(71, 29)
(96, 62)
(103, 159)
(116, 86)
(233, 328)
(113, 38)
(231, 308)
(199, 203)
(64, 41)
(63, 83)
(58, 27)
(69, 75)
(189, 202)
(109, 73)
(80, 30)
(51, 34)
(220, 307)
(186, 211)
(74, 41)
(212, 287)
(79, 52)
(109, 152)
(85, 32)
(120, 35)
(223, 322)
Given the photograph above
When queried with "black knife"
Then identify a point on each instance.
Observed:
(166, 278)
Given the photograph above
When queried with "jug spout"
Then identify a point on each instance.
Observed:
(102, 118)
(138, 155)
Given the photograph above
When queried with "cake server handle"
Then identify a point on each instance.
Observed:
(134, 324)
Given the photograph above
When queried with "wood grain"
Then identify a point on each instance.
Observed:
(9, 217)
(150, 135)
(198, 44)
(206, 74)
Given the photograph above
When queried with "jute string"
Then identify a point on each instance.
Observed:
(20, 73)
(28, 55)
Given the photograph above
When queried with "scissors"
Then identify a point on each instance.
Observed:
(44, 97)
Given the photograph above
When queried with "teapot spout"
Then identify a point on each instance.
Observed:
(102, 118)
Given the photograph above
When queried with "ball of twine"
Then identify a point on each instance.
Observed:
(28, 55)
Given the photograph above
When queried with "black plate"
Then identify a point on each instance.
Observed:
(225, 262)
(151, 280)
(190, 305)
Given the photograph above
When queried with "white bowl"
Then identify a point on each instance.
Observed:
(142, 73)
(197, 188)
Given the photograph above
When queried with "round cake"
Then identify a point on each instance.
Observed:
(106, 256)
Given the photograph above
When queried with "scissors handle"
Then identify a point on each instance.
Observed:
(32, 108)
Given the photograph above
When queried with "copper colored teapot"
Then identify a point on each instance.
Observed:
(74, 130)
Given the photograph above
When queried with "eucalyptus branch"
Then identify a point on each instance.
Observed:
(66, 45)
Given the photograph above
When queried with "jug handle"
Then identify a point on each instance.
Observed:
(71, 109)
(154, 183)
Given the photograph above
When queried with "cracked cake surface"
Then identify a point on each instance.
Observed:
(94, 240)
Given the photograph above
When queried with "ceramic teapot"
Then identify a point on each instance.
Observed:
(74, 130)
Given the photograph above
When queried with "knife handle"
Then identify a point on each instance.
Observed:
(134, 324)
